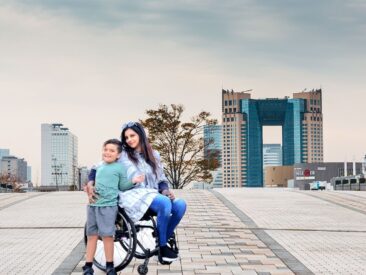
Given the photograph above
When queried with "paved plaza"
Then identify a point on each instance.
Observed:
(225, 231)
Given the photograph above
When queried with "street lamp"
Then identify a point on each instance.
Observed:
(56, 171)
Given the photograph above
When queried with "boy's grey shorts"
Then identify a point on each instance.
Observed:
(101, 220)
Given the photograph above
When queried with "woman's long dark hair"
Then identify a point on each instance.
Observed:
(146, 149)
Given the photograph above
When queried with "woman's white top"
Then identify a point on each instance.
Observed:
(137, 200)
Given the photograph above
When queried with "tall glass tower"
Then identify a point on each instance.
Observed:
(243, 120)
(212, 135)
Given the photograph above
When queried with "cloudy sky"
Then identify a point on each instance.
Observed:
(93, 65)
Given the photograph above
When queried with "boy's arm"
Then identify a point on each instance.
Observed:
(124, 183)
(89, 187)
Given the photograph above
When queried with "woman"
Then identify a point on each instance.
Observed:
(153, 191)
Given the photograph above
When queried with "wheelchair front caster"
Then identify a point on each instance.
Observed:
(142, 269)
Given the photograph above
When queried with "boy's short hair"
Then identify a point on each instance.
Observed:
(115, 142)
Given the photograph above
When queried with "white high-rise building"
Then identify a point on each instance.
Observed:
(59, 157)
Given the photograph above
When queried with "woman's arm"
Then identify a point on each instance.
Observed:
(131, 169)
(92, 174)
(163, 181)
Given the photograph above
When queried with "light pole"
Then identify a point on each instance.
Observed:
(56, 171)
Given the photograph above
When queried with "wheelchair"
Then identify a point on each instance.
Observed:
(138, 240)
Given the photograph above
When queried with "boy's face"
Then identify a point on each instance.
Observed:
(110, 153)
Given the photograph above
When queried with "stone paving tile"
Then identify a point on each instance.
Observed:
(351, 200)
(7, 199)
(317, 230)
(354, 193)
(56, 209)
(35, 251)
(273, 208)
(213, 240)
(339, 252)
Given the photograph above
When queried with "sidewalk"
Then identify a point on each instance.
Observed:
(226, 231)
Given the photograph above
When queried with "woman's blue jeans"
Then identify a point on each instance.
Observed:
(169, 213)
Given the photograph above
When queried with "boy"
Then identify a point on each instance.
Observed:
(101, 215)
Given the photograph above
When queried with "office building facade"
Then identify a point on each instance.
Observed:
(272, 156)
(59, 161)
(4, 153)
(212, 135)
(14, 167)
(243, 120)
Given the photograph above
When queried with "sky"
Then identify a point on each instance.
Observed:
(93, 65)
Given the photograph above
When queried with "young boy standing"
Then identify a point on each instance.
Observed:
(101, 215)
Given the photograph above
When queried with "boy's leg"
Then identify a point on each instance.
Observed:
(92, 233)
(91, 247)
(108, 248)
(106, 219)
(179, 207)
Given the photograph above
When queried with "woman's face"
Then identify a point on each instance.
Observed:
(132, 138)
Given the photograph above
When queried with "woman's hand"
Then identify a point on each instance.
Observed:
(138, 179)
(90, 191)
(168, 193)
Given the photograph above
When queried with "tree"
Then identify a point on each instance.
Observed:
(180, 144)
(10, 182)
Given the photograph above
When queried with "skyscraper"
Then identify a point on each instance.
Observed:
(272, 156)
(234, 125)
(4, 153)
(312, 126)
(243, 120)
(59, 157)
(29, 173)
(14, 167)
(212, 135)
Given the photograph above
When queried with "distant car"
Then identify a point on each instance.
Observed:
(318, 185)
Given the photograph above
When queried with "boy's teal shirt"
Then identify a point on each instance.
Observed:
(110, 178)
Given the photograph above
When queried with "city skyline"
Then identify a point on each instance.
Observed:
(94, 66)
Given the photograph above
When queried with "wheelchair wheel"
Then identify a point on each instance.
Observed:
(146, 238)
(142, 269)
(123, 254)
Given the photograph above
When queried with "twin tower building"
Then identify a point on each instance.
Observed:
(243, 119)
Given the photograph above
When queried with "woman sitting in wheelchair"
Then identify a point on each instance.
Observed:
(150, 192)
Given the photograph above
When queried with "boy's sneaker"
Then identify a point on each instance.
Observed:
(167, 255)
(87, 270)
(111, 271)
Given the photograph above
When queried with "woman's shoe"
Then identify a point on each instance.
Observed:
(167, 255)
